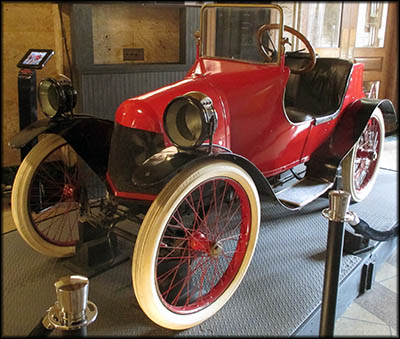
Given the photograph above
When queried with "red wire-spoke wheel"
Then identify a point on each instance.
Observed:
(360, 167)
(195, 244)
(45, 197)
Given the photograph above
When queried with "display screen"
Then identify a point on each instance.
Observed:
(35, 58)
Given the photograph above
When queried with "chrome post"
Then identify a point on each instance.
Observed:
(72, 312)
(336, 214)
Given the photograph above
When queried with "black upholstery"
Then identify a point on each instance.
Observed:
(318, 93)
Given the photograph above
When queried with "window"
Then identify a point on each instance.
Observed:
(321, 23)
(371, 24)
(231, 32)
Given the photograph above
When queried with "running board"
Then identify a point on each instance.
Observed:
(303, 192)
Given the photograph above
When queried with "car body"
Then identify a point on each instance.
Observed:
(247, 110)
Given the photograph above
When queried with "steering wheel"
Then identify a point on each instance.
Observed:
(269, 52)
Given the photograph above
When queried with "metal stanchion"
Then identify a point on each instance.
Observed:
(72, 312)
(337, 214)
(43, 329)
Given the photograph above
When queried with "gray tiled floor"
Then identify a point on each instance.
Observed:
(372, 314)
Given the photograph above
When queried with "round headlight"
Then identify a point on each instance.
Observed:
(189, 120)
(56, 98)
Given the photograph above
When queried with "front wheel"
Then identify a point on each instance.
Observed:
(45, 197)
(195, 244)
(360, 167)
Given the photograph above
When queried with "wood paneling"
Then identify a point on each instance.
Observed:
(391, 68)
(66, 9)
(155, 29)
(105, 87)
(370, 64)
(25, 25)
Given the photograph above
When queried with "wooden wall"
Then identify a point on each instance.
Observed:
(392, 73)
(26, 25)
(105, 87)
(155, 29)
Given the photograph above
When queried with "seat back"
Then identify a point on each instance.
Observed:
(321, 91)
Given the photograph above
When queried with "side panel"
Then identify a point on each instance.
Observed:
(253, 98)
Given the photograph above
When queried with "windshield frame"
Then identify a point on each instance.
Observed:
(281, 24)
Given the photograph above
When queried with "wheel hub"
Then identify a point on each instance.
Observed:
(200, 242)
(367, 155)
(68, 191)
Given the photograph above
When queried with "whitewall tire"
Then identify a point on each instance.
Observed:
(195, 244)
(44, 200)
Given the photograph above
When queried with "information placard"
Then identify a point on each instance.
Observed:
(35, 58)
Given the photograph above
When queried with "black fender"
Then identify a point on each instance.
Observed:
(154, 173)
(90, 137)
(325, 161)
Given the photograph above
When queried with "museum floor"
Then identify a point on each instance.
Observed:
(375, 313)
(372, 313)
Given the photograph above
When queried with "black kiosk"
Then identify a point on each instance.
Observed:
(32, 60)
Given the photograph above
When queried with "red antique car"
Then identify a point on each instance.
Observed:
(189, 161)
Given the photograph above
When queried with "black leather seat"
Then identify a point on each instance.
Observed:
(297, 114)
(319, 93)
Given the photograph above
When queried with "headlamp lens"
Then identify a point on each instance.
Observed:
(188, 121)
(49, 97)
(185, 122)
(56, 96)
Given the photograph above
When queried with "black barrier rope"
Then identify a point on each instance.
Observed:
(366, 231)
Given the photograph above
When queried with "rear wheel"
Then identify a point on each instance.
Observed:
(45, 197)
(195, 244)
(360, 167)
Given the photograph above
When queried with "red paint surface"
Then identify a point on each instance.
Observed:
(248, 99)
